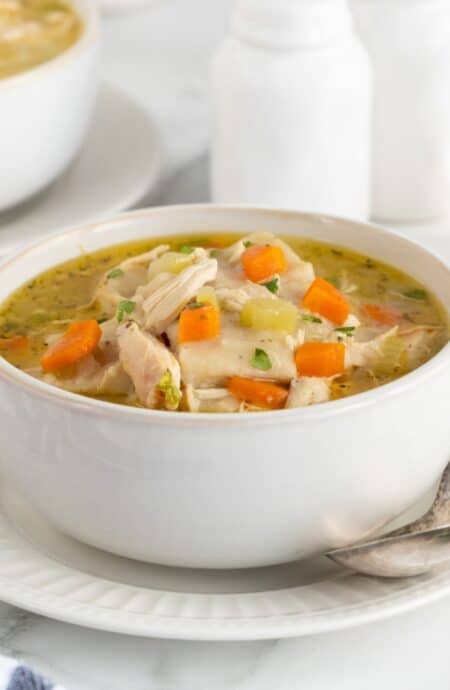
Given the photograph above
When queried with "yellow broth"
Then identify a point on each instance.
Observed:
(33, 32)
(51, 301)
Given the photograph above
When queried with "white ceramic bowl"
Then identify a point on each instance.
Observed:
(220, 491)
(44, 114)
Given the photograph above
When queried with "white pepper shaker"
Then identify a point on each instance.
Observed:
(409, 45)
(291, 109)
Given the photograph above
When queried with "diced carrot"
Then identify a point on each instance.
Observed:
(320, 359)
(261, 262)
(80, 339)
(387, 317)
(17, 342)
(199, 323)
(323, 298)
(259, 393)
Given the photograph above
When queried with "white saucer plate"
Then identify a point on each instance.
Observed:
(121, 162)
(43, 571)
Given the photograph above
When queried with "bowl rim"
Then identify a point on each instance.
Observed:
(77, 402)
(90, 33)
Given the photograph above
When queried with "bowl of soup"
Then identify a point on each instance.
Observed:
(223, 387)
(48, 84)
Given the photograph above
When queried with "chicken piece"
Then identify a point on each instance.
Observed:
(211, 400)
(308, 391)
(365, 354)
(296, 281)
(233, 253)
(130, 275)
(418, 344)
(234, 298)
(108, 342)
(147, 361)
(113, 380)
(160, 304)
(91, 378)
(210, 363)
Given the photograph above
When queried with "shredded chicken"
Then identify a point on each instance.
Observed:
(120, 283)
(211, 400)
(162, 305)
(308, 391)
(233, 299)
(364, 354)
(418, 343)
(91, 378)
(145, 359)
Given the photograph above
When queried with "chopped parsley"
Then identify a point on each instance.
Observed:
(170, 391)
(186, 249)
(195, 305)
(346, 330)
(261, 360)
(273, 285)
(248, 244)
(115, 273)
(126, 306)
(416, 293)
(311, 318)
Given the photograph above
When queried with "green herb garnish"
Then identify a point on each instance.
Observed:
(115, 273)
(261, 360)
(346, 330)
(248, 244)
(311, 318)
(194, 305)
(416, 293)
(186, 249)
(171, 393)
(126, 306)
(273, 285)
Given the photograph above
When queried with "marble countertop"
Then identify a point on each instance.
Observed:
(160, 57)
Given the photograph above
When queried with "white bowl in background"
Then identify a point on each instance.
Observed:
(45, 112)
(225, 490)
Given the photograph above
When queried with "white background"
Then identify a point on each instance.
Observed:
(160, 57)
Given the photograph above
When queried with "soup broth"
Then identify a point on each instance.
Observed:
(221, 323)
(33, 32)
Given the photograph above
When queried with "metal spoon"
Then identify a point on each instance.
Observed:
(411, 550)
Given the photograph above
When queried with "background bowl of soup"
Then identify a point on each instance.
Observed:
(225, 490)
(48, 84)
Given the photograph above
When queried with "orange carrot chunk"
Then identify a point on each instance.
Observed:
(323, 298)
(199, 323)
(387, 317)
(80, 339)
(261, 262)
(320, 359)
(17, 342)
(259, 393)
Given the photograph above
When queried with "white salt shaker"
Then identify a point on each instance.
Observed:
(291, 109)
(409, 44)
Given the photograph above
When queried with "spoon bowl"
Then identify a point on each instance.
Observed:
(411, 550)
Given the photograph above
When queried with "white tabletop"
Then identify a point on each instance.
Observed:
(160, 57)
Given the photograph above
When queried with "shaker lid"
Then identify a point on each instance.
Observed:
(290, 23)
